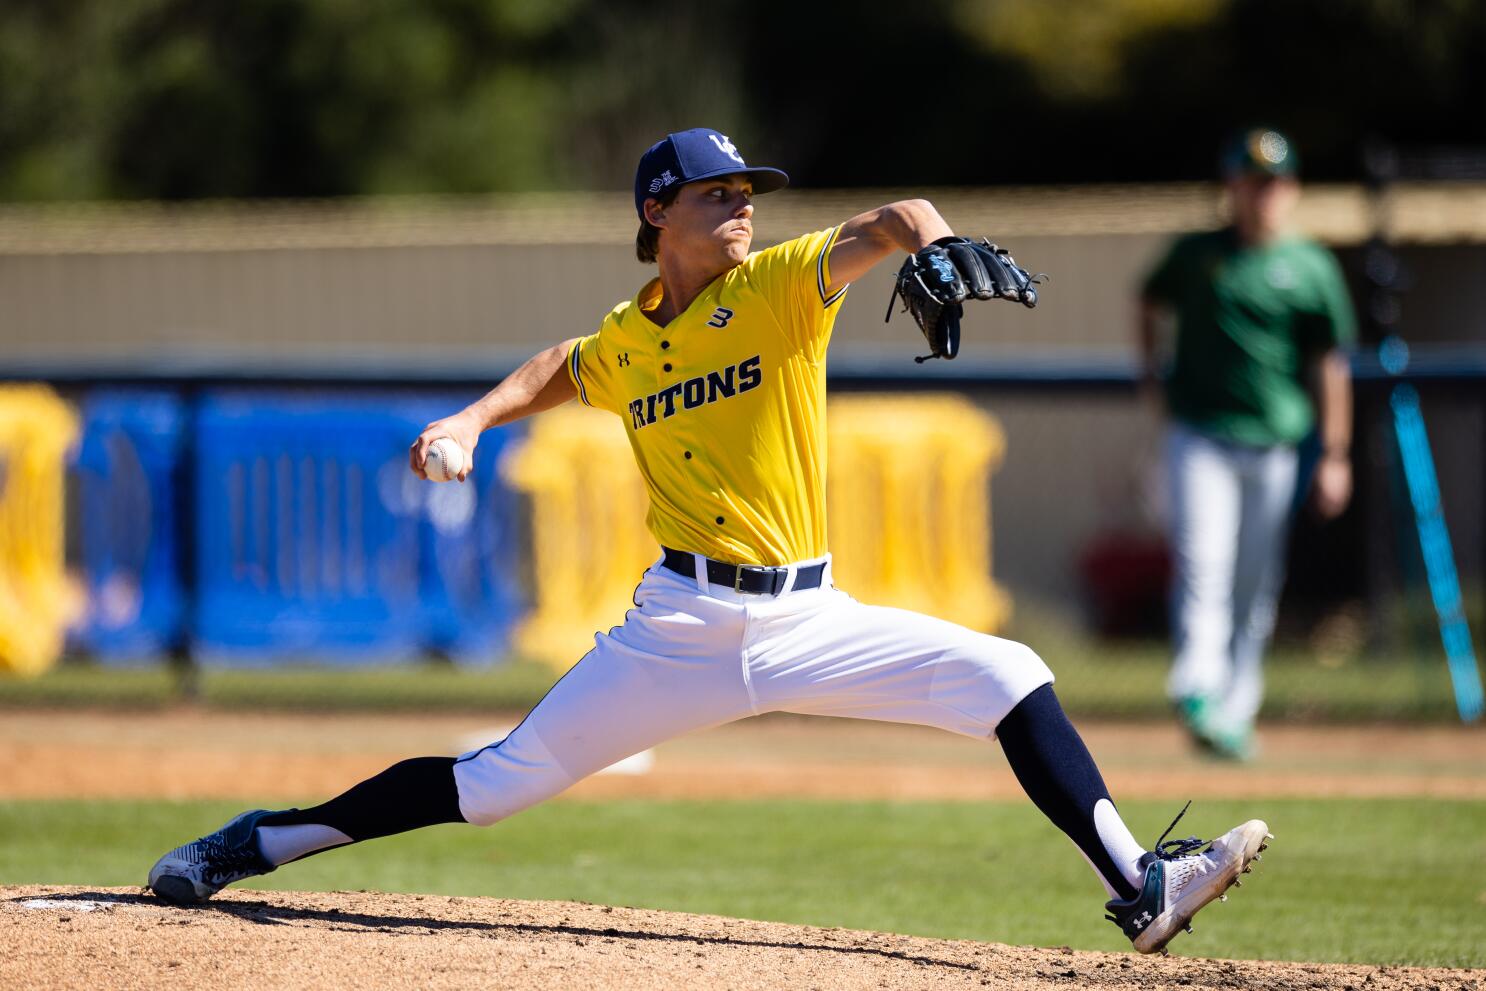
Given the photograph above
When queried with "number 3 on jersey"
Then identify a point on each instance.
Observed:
(720, 317)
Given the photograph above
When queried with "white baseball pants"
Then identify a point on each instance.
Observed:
(690, 656)
(1230, 513)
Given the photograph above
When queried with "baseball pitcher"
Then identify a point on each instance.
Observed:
(716, 368)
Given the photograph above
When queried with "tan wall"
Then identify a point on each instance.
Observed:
(454, 281)
(445, 305)
(493, 304)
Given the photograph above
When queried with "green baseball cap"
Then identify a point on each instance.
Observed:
(1258, 151)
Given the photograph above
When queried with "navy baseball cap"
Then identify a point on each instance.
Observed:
(700, 153)
(1260, 151)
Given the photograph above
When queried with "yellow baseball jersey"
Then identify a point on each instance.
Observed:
(725, 405)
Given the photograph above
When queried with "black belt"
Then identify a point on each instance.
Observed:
(744, 577)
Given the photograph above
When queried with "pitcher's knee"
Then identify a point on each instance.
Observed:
(1015, 669)
(1015, 659)
(501, 780)
(984, 678)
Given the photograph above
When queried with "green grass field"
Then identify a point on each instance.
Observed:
(1383, 882)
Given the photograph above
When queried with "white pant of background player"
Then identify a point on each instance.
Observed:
(692, 656)
(1230, 512)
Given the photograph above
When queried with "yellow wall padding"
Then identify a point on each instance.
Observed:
(909, 504)
(589, 544)
(36, 599)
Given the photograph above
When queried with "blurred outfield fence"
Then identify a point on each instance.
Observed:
(257, 524)
(253, 526)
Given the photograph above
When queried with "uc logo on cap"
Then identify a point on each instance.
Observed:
(725, 145)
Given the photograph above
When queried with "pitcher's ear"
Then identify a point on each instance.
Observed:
(655, 213)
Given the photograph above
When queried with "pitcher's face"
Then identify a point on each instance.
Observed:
(710, 218)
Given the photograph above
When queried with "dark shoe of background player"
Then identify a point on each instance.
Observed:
(1198, 715)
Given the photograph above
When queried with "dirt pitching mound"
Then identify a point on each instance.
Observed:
(121, 938)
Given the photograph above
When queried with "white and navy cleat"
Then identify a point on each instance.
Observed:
(1180, 881)
(190, 874)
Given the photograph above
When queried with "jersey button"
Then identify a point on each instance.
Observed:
(664, 345)
(667, 366)
(688, 455)
(720, 521)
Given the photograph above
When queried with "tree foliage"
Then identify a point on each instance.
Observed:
(260, 98)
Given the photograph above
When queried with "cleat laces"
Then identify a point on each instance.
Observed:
(1173, 849)
(226, 862)
(221, 862)
(1183, 857)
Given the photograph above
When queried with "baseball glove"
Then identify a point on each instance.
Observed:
(936, 280)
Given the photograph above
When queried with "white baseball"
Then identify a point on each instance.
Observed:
(445, 460)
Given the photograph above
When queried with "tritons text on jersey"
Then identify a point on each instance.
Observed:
(745, 376)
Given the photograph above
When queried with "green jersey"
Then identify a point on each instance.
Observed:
(1248, 319)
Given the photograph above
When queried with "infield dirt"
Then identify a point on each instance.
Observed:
(119, 938)
(188, 753)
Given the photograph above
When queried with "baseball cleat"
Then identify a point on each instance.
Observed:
(190, 874)
(1181, 878)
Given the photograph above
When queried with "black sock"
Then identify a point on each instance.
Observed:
(1058, 774)
(408, 795)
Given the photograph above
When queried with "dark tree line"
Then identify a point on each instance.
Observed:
(254, 98)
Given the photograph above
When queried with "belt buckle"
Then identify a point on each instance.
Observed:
(738, 578)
